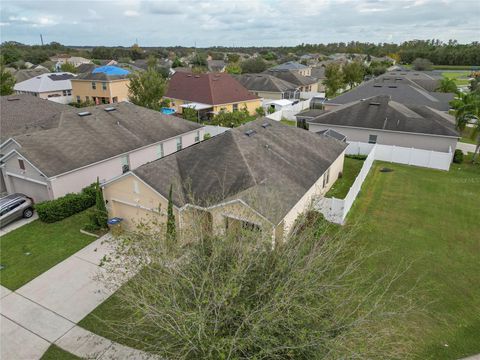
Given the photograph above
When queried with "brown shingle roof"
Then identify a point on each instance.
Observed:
(212, 89)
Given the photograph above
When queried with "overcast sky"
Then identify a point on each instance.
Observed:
(239, 23)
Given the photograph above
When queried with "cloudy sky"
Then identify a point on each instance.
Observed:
(239, 23)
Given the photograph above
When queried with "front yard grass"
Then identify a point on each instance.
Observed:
(351, 168)
(423, 216)
(56, 353)
(35, 247)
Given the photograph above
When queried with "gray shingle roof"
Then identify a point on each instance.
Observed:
(265, 169)
(400, 89)
(290, 65)
(292, 77)
(380, 112)
(265, 82)
(100, 76)
(27, 114)
(80, 141)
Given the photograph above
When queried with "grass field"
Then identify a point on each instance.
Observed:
(424, 216)
(351, 168)
(55, 353)
(34, 248)
(459, 77)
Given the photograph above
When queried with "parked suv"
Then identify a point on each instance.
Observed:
(14, 207)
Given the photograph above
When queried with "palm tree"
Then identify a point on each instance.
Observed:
(467, 112)
(447, 86)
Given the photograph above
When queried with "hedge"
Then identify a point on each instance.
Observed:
(55, 210)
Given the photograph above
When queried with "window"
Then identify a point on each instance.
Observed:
(179, 143)
(235, 107)
(125, 165)
(197, 137)
(21, 164)
(372, 139)
(326, 177)
(160, 151)
(94, 85)
(78, 99)
(104, 86)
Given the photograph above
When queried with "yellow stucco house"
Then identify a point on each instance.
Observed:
(104, 85)
(210, 94)
(261, 175)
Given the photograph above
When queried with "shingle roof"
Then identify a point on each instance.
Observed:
(212, 89)
(265, 82)
(80, 141)
(292, 77)
(99, 77)
(46, 82)
(400, 89)
(290, 65)
(263, 169)
(25, 74)
(215, 65)
(27, 114)
(380, 112)
(85, 68)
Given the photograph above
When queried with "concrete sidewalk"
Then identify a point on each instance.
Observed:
(466, 148)
(46, 310)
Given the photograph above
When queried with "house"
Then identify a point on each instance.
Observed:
(294, 67)
(307, 115)
(52, 86)
(25, 74)
(400, 88)
(303, 83)
(74, 60)
(268, 86)
(381, 119)
(79, 145)
(86, 68)
(248, 177)
(216, 66)
(104, 85)
(210, 94)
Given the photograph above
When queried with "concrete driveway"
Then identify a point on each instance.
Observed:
(16, 224)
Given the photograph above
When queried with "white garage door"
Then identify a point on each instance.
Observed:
(36, 191)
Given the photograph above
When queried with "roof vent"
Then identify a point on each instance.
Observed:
(197, 76)
(377, 85)
(374, 103)
(13, 99)
(84, 113)
(189, 75)
(265, 125)
(392, 86)
(250, 132)
(398, 78)
(110, 108)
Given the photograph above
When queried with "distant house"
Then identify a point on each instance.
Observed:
(382, 120)
(104, 85)
(74, 60)
(52, 86)
(86, 68)
(269, 87)
(25, 74)
(76, 146)
(259, 176)
(400, 88)
(216, 65)
(294, 67)
(210, 94)
(305, 83)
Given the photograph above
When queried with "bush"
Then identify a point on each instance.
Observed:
(55, 210)
(458, 156)
(357, 157)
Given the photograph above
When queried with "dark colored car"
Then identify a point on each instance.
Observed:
(14, 207)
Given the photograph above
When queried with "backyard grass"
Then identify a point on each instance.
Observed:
(351, 168)
(461, 78)
(288, 122)
(34, 248)
(56, 353)
(424, 216)
(467, 136)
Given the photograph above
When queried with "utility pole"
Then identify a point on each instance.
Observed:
(41, 39)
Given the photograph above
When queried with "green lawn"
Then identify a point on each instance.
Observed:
(430, 218)
(288, 122)
(467, 137)
(461, 78)
(55, 353)
(36, 247)
(351, 168)
(424, 216)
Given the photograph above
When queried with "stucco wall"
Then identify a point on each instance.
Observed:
(251, 106)
(426, 142)
(116, 88)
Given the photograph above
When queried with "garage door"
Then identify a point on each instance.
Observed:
(36, 191)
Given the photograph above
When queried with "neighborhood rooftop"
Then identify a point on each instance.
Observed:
(381, 112)
(257, 163)
(290, 65)
(98, 135)
(265, 82)
(46, 82)
(292, 77)
(212, 88)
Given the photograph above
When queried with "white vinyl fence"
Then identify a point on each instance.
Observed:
(215, 130)
(289, 112)
(336, 210)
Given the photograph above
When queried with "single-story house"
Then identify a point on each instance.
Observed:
(400, 88)
(380, 119)
(83, 144)
(52, 86)
(261, 175)
(269, 87)
(293, 66)
(304, 83)
(209, 94)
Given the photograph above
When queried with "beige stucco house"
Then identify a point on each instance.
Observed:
(249, 177)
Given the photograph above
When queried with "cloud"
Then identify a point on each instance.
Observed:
(131, 13)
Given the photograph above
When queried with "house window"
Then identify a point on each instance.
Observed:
(372, 139)
(104, 86)
(160, 151)
(326, 177)
(125, 165)
(179, 143)
(197, 137)
(94, 85)
(235, 107)
(21, 164)
(78, 99)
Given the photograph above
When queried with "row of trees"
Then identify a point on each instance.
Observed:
(338, 77)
